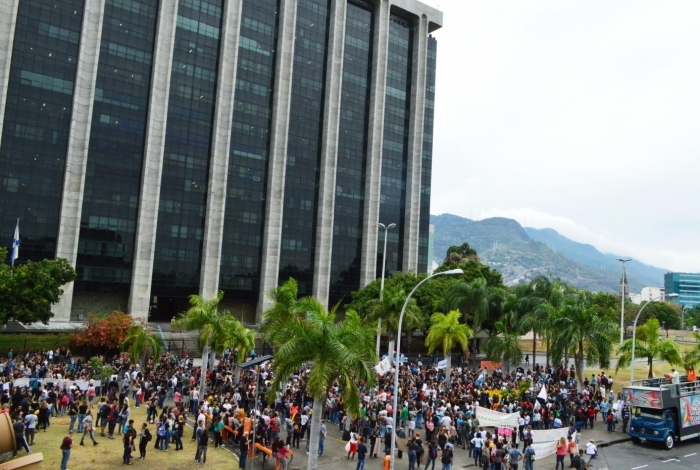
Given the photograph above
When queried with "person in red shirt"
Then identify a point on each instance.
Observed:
(66, 446)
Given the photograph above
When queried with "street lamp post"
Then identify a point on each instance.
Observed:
(397, 363)
(683, 317)
(634, 328)
(622, 314)
(381, 289)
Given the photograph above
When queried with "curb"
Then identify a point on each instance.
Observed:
(614, 441)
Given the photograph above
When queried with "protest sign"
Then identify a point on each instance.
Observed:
(494, 418)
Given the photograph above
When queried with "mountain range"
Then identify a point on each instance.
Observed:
(521, 254)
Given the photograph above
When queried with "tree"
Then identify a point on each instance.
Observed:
(668, 314)
(28, 291)
(139, 342)
(388, 310)
(460, 254)
(238, 338)
(540, 300)
(103, 330)
(504, 343)
(342, 351)
(472, 299)
(445, 332)
(692, 357)
(203, 315)
(692, 317)
(648, 345)
(581, 329)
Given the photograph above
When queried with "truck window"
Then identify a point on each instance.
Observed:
(649, 413)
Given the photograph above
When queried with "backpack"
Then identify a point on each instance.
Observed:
(446, 456)
(610, 418)
(161, 429)
(433, 452)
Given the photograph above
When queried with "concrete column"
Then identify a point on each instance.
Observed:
(8, 20)
(329, 152)
(221, 142)
(282, 96)
(78, 143)
(415, 145)
(373, 175)
(149, 197)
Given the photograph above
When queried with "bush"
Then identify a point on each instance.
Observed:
(103, 331)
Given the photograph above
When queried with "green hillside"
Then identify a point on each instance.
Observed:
(507, 247)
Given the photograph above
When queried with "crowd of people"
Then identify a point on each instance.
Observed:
(436, 416)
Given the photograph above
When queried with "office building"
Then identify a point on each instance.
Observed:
(184, 147)
(686, 285)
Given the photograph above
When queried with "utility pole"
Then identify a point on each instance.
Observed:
(622, 295)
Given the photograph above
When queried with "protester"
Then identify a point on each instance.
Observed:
(66, 447)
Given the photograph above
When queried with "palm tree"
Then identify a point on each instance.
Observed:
(237, 338)
(446, 331)
(471, 299)
(540, 300)
(579, 328)
(285, 306)
(139, 342)
(648, 345)
(336, 351)
(388, 310)
(504, 344)
(692, 357)
(203, 315)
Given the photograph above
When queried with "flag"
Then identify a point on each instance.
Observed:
(14, 253)
(384, 366)
(543, 393)
(480, 379)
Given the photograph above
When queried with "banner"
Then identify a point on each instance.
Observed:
(442, 364)
(544, 449)
(642, 398)
(489, 365)
(690, 411)
(495, 419)
(383, 367)
(505, 432)
(549, 435)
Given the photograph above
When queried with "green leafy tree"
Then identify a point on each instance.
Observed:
(336, 351)
(650, 347)
(692, 357)
(141, 341)
(445, 333)
(579, 328)
(28, 291)
(100, 370)
(668, 314)
(471, 299)
(504, 343)
(540, 299)
(203, 316)
(388, 310)
(692, 317)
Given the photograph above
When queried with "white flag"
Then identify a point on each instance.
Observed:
(14, 254)
(383, 367)
(543, 393)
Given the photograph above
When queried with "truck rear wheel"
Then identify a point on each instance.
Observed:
(669, 441)
(636, 440)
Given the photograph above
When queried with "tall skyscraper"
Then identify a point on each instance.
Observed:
(184, 147)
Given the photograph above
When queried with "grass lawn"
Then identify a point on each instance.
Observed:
(108, 454)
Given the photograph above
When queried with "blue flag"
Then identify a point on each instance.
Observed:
(14, 253)
(480, 380)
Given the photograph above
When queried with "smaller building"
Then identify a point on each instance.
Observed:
(647, 295)
(686, 285)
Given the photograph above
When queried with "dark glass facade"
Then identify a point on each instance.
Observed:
(304, 144)
(248, 158)
(395, 146)
(427, 158)
(352, 152)
(117, 135)
(37, 123)
(187, 148)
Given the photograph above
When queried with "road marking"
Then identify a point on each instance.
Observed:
(690, 455)
(636, 468)
(670, 460)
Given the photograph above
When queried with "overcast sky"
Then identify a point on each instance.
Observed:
(579, 116)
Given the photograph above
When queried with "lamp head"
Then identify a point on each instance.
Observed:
(453, 271)
(391, 226)
(381, 225)
(624, 260)
(672, 296)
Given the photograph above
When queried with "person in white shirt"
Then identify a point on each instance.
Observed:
(676, 379)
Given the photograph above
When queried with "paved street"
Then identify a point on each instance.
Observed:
(648, 456)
